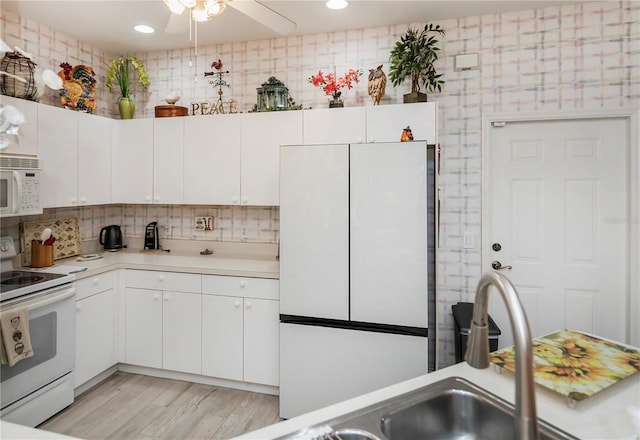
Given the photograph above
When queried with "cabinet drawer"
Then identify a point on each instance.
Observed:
(240, 286)
(95, 284)
(179, 282)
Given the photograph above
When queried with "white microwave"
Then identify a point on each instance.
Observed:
(20, 186)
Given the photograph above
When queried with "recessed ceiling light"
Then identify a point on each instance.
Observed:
(337, 4)
(144, 29)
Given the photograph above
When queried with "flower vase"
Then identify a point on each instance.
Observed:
(336, 102)
(126, 107)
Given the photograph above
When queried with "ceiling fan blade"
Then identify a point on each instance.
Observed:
(264, 15)
(178, 24)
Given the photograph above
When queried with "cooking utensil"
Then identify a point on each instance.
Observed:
(46, 234)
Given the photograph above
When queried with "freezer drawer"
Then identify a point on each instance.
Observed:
(320, 366)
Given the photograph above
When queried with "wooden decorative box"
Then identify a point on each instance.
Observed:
(169, 111)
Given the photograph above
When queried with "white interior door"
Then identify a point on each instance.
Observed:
(556, 200)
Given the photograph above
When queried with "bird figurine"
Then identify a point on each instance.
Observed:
(217, 65)
(407, 135)
(377, 84)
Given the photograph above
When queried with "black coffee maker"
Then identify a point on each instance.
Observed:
(151, 239)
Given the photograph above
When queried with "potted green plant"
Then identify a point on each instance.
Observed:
(118, 72)
(413, 57)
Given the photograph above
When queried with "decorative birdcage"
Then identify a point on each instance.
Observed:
(18, 66)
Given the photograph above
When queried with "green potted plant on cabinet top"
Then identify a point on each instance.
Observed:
(118, 72)
(413, 57)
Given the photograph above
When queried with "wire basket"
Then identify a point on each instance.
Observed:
(21, 67)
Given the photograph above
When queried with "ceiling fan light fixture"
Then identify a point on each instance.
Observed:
(215, 7)
(188, 3)
(337, 4)
(174, 6)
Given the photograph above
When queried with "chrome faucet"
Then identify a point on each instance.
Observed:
(477, 355)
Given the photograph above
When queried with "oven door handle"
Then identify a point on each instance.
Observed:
(46, 300)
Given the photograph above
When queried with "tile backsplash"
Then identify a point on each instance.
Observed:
(569, 57)
(246, 224)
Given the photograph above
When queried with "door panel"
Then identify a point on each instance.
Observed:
(554, 188)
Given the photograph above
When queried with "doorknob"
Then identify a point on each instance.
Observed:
(498, 265)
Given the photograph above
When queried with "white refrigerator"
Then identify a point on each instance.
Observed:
(357, 223)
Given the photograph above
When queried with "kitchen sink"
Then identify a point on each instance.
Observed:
(453, 408)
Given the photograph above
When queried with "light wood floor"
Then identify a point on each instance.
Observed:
(132, 406)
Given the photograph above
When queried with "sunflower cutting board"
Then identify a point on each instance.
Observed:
(574, 364)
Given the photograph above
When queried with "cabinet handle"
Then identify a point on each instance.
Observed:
(95, 281)
(247, 304)
(157, 198)
(166, 297)
(243, 284)
(147, 198)
(236, 304)
(78, 307)
(245, 200)
(83, 201)
(74, 201)
(234, 200)
(156, 296)
(160, 277)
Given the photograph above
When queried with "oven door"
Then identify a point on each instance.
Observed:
(7, 193)
(52, 332)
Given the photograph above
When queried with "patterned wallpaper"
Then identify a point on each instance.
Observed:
(571, 57)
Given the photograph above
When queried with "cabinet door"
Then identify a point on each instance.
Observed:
(143, 327)
(261, 341)
(94, 159)
(262, 135)
(58, 129)
(182, 332)
(96, 324)
(222, 341)
(334, 126)
(385, 122)
(26, 142)
(314, 231)
(388, 233)
(212, 160)
(168, 142)
(132, 161)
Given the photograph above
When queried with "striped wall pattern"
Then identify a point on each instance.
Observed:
(572, 57)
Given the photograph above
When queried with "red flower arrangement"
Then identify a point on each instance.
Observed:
(332, 85)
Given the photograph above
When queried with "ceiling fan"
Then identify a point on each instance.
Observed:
(205, 10)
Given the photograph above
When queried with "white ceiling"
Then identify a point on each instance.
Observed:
(108, 24)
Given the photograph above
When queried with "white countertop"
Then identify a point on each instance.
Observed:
(613, 414)
(241, 265)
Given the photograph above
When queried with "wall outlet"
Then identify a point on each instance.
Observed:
(468, 241)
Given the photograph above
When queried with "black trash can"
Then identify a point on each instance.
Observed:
(462, 315)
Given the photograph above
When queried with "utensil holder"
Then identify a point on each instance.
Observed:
(41, 255)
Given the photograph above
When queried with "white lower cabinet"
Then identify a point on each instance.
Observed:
(163, 327)
(96, 326)
(240, 323)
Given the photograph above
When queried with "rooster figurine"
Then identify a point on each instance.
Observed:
(377, 84)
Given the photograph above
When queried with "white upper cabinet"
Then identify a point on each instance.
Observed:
(132, 161)
(212, 159)
(94, 159)
(262, 135)
(26, 142)
(58, 128)
(385, 123)
(334, 126)
(168, 147)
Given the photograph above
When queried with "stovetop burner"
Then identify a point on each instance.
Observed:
(15, 279)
